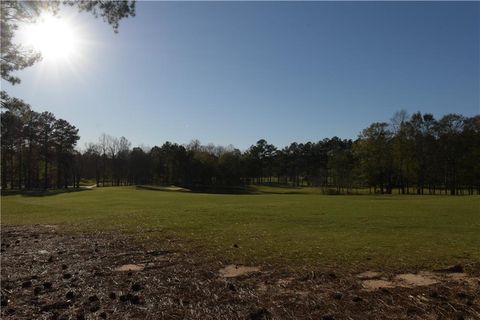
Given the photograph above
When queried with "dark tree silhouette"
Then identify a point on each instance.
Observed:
(416, 154)
(34, 145)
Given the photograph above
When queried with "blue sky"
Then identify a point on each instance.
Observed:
(232, 73)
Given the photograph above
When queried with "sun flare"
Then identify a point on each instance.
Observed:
(53, 36)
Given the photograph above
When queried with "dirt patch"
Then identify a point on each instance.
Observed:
(377, 284)
(233, 271)
(130, 267)
(421, 279)
(463, 277)
(369, 275)
(416, 280)
(372, 280)
(50, 227)
(76, 280)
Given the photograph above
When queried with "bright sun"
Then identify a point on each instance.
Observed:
(54, 37)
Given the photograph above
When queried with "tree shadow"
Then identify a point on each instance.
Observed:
(240, 190)
(41, 192)
(202, 189)
(278, 185)
(277, 189)
(162, 188)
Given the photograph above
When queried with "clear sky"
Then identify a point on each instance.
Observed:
(232, 73)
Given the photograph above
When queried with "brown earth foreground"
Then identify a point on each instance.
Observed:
(50, 274)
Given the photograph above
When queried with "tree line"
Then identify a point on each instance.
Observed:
(38, 150)
(410, 154)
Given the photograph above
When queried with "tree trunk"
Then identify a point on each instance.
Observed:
(45, 185)
(28, 182)
(59, 174)
(20, 169)
(4, 170)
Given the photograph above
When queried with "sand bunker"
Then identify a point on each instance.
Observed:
(232, 271)
(130, 267)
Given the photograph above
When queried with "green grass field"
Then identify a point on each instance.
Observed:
(287, 230)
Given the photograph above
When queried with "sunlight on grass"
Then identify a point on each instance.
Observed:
(308, 229)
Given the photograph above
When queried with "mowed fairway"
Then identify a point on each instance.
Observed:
(286, 230)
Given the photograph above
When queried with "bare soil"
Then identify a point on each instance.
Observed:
(47, 273)
(234, 271)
